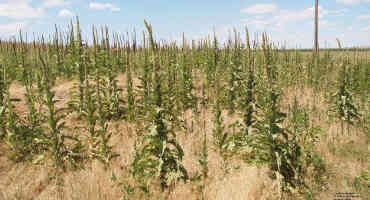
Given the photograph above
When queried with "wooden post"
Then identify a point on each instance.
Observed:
(316, 48)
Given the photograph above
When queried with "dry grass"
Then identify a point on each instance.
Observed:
(26, 181)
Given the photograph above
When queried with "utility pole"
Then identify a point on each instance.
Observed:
(316, 48)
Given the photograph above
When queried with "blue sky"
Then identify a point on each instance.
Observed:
(286, 21)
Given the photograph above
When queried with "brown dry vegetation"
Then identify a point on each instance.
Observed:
(345, 156)
(26, 181)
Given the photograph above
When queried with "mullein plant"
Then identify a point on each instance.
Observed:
(172, 101)
(23, 53)
(89, 115)
(235, 74)
(343, 105)
(223, 140)
(58, 51)
(250, 95)
(62, 155)
(203, 161)
(69, 53)
(64, 151)
(20, 135)
(99, 135)
(3, 89)
(6, 102)
(130, 96)
(187, 99)
(212, 60)
(109, 93)
(117, 54)
(158, 155)
(112, 98)
(366, 122)
(33, 139)
(269, 144)
(287, 150)
(204, 98)
(12, 60)
(200, 179)
(303, 137)
(249, 107)
(94, 111)
(78, 56)
(145, 85)
(102, 150)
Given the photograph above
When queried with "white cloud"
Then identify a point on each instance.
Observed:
(103, 6)
(366, 29)
(11, 28)
(350, 28)
(351, 2)
(363, 17)
(65, 13)
(324, 23)
(282, 17)
(55, 3)
(258, 23)
(260, 9)
(19, 9)
(339, 12)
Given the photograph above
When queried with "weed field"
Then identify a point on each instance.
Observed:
(125, 116)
